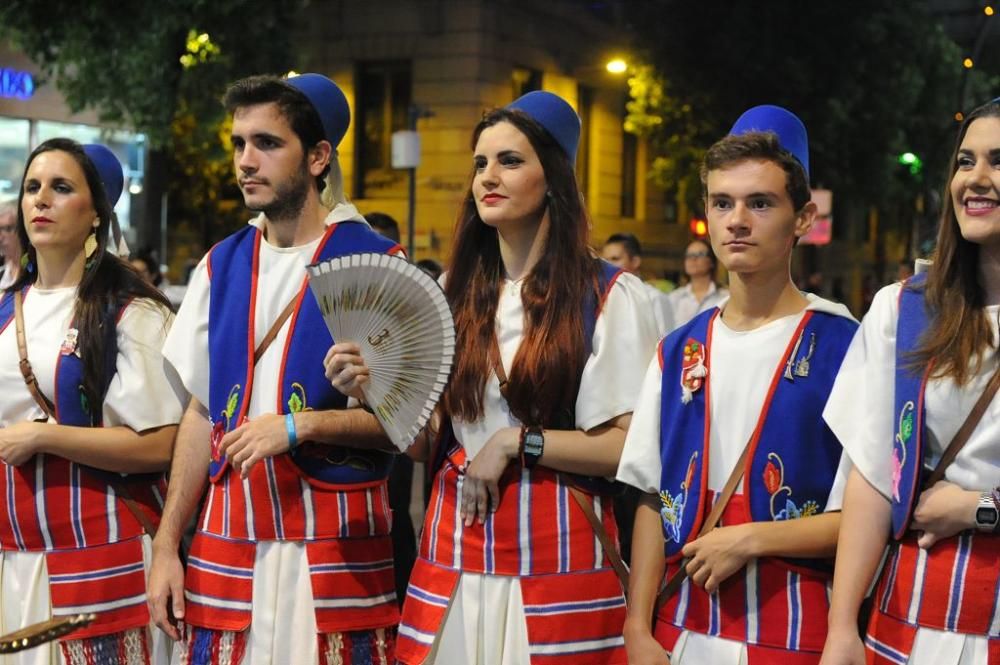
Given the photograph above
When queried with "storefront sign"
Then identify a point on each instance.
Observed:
(16, 84)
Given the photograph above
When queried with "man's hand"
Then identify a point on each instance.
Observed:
(264, 436)
(481, 487)
(18, 443)
(718, 554)
(346, 369)
(942, 511)
(165, 590)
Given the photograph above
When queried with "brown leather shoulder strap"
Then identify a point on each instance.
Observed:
(25, 365)
(965, 431)
(273, 331)
(675, 581)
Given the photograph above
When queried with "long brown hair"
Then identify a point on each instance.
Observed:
(545, 375)
(107, 284)
(960, 329)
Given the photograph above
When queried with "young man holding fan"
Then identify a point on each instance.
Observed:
(292, 560)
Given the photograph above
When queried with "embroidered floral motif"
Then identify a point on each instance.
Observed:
(298, 402)
(904, 431)
(221, 425)
(774, 482)
(693, 370)
(672, 510)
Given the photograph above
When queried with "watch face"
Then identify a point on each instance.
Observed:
(986, 516)
(533, 441)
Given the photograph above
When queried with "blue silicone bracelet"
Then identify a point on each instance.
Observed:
(293, 437)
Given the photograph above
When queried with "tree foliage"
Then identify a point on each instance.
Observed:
(870, 80)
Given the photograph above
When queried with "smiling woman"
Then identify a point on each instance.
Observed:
(87, 418)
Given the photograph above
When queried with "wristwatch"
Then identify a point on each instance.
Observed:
(532, 445)
(987, 514)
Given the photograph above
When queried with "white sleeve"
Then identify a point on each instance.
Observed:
(145, 391)
(860, 409)
(624, 340)
(640, 462)
(186, 348)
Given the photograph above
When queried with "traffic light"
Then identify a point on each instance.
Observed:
(699, 227)
(911, 161)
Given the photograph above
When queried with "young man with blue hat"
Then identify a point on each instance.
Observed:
(292, 560)
(741, 473)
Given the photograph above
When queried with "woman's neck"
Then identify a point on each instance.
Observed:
(989, 273)
(521, 246)
(757, 299)
(58, 270)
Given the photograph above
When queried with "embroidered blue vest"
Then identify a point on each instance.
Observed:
(793, 453)
(70, 401)
(233, 267)
(908, 439)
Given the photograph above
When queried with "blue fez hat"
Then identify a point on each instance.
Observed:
(329, 102)
(786, 125)
(555, 115)
(108, 168)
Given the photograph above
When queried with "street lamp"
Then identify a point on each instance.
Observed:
(616, 66)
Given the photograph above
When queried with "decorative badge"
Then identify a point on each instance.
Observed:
(221, 425)
(69, 344)
(693, 370)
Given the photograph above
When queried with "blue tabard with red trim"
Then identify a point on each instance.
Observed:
(794, 455)
(908, 439)
(71, 404)
(233, 264)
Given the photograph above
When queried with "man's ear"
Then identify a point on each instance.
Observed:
(319, 157)
(805, 219)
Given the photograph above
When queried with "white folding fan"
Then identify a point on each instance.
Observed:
(399, 317)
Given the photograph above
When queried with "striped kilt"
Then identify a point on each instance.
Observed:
(778, 610)
(574, 609)
(954, 586)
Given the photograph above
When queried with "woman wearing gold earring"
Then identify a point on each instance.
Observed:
(87, 417)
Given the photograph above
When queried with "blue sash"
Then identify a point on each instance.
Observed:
(793, 455)
(908, 439)
(71, 404)
(233, 268)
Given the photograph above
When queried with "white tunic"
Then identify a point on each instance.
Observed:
(663, 311)
(743, 364)
(686, 305)
(485, 622)
(861, 412)
(283, 628)
(144, 394)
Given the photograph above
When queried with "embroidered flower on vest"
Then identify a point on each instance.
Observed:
(774, 482)
(693, 370)
(221, 425)
(904, 431)
(672, 510)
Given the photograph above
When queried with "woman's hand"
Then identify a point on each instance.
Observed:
(843, 647)
(641, 647)
(717, 555)
(481, 487)
(346, 369)
(942, 511)
(18, 443)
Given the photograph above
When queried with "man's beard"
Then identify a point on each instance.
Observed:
(289, 198)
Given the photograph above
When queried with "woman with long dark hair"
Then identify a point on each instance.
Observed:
(918, 382)
(87, 417)
(551, 344)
